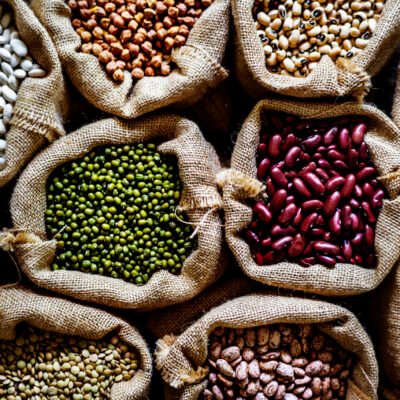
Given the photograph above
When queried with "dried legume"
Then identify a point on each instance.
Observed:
(323, 195)
(113, 213)
(296, 34)
(44, 365)
(15, 66)
(281, 361)
(134, 35)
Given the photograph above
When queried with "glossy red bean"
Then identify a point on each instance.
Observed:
(262, 149)
(335, 225)
(279, 177)
(308, 168)
(377, 198)
(278, 200)
(311, 142)
(365, 173)
(354, 204)
(314, 183)
(252, 237)
(289, 142)
(345, 217)
(358, 193)
(326, 260)
(363, 151)
(263, 168)
(368, 212)
(334, 183)
(258, 257)
(307, 261)
(292, 156)
(287, 214)
(355, 222)
(268, 258)
(331, 203)
(358, 239)
(348, 186)
(271, 190)
(309, 248)
(352, 158)
(369, 236)
(371, 260)
(324, 247)
(312, 205)
(281, 243)
(344, 138)
(324, 164)
(367, 189)
(323, 175)
(274, 146)
(298, 217)
(320, 220)
(262, 212)
(297, 246)
(278, 230)
(317, 232)
(341, 166)
(266, 243)
(330, 136)
(357, 135)
(336, 155)
(308, 222)
(347, 250)
(301, 187)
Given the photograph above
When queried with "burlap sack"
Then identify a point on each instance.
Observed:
(396, 100)
(240, 183)
(176, 319)
(198, 164)
(38, 111)
(19, 304)
(197, 69)
(329, 79)
(181, 360)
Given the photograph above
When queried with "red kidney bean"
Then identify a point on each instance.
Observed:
(334, 183)
(312, 205)
(292, 156)
(270, 186)
(278, 200)
(326, 260)
(358, 239)
(305, 158)
(276, 120)
(358, 191)
(355, 222)
(323, 175)
(306, 262)
(354, 204)
(367, 189)
(334, 223)
(315, 232)
(330, 136)
(327, 236)
(258, 258)
(298, 217)
(289, 142)
(377, 199)
(324, 164)
(297, 246)
(352, 158)
(344, 138)
(331, 203)
(336, 155)
(325, 247)
(366, 172)
(252, 237)
(268, 258)
(345, 217)
(357, 135)
(308, 222)
(347, 250)
(363, 151)
(290, 199)
(287, 214)
(263, 168)
(371, 260)
(281, 243)
(320, 220)
(262, 149)
(314, 183)
(317, 156)
(341, 165)
(369, 236)
(358, 259)
(368, 212)
(348, 186)
(301, 187)
(308, 168)
(274, 146)
(279, 177)
(278, 230)
(262, 212)
(309, 248)
(266, 243)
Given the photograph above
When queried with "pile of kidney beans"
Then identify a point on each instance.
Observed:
(323, 195)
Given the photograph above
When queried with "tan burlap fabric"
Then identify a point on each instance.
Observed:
(383, 139)
(396, 100)
(198, 164)
(198, 64)
(19, 304)
(174, 320)
(181, 359)
(38, 111)
(329, 78)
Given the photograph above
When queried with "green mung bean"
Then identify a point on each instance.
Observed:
(112, 213)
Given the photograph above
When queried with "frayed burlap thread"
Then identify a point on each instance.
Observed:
(189, 351)
(37, 117)
(383, 140)
(329, 79)
(20, 304)
(198, 165)
(198, 64)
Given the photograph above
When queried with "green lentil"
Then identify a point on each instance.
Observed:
(62, 367)
(118, 221)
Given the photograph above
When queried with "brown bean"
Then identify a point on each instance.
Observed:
(230, 353)
(279, 177)
(357, 135)
(314, 183)
(308, 222)
(314, 368)
(287, 214)
(271, 389)
(266, 378)
(224, 368)
(278, 200)
(331, 203)
(292, 156)
(348, 186)
(262, 212)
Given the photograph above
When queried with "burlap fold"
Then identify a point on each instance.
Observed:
(329, 79)
(181, 359)
(198, 164)
(20, 304)
(383, 140)
(41, 103)
(198, 64)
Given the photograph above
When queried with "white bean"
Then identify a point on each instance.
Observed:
(8, 94)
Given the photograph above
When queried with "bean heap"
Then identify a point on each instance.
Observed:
(284, 361)
(15, 65)
(296, 34)
(113, 213)
(323, 195)
(134, 35)
(44, 365)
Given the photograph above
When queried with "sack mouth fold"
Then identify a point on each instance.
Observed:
(383, 140)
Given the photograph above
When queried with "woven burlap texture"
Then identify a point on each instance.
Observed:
(396, 100)
(175, 319)
(198, 164)
(19, 304)
(383, 140)
(38, 111)
(329, 79)
(197, 68)
(179, 357)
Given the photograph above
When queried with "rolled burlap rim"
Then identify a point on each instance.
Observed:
(41, 103)
(383, 140)
(329, 79)
(198, 164)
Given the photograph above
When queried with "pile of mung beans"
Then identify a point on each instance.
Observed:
(39, 364)
(15, 66)
(281, 361)
(113, 213)
(295, 34)
(136, 36)
(323, 195)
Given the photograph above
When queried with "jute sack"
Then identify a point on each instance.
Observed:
(181, 359)
(37, 117)
(198, 164)
(240, 184)
(198, 64)
(19, 304)
(396, 100)
(175, 319)
(329, 79)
